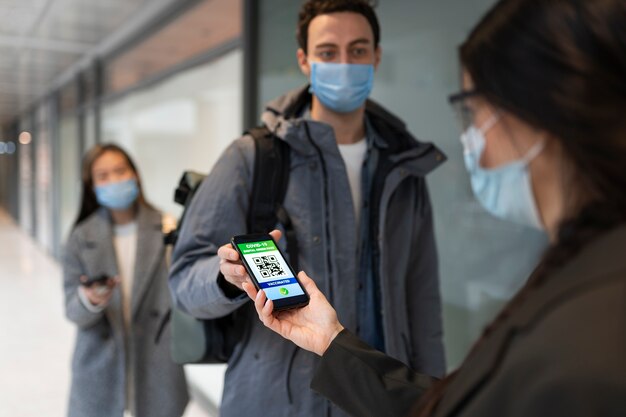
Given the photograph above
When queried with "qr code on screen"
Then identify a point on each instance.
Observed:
(268, 266)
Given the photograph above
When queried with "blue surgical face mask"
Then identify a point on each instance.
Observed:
(505, 191)
(117, 195)
(342, 88)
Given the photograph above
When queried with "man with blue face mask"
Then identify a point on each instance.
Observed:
(359, 204)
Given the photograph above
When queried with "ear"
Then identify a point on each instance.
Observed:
(377, 54)
(303, 62)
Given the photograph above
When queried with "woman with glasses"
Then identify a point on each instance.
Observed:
(544, 110)
(115, 284)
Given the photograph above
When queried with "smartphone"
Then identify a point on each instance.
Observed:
(269, 271)
(97, 280)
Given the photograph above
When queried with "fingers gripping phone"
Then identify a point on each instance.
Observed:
(96, 280)
(269, 271)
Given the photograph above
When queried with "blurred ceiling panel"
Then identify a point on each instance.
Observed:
(41, 39)
(201, 28)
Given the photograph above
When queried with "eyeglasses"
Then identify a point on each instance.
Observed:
(464, 112)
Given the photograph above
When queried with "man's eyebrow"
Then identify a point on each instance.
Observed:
(360, 40)
(334, 45)
(326, 45)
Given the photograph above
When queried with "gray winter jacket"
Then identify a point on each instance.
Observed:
(268, 376)
(98, 370)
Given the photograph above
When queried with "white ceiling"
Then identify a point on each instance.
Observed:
(40, 40)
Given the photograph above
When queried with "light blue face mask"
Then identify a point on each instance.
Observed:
(117, 195)
(342, 88)
(505, 191)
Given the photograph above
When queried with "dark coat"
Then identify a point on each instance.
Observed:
(561, 353)
(98, 372)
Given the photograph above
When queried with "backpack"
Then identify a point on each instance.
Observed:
(195, 340)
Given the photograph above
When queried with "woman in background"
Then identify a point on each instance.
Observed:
(115, 283)
(544, 107)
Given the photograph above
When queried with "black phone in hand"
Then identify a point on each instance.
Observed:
(95, 280)
(269, 271)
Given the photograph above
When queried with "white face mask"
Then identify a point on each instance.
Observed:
(505, 191)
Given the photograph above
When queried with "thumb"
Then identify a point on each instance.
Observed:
(249, 289)
(276, 234)
(307, 282)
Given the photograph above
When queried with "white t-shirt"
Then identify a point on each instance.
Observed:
(353, 156)
(125, 244)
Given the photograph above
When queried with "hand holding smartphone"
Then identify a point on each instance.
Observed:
(96, 280)
(269, 271)
(97, 288)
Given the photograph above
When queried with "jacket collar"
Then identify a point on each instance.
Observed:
(284, 117)
(291, 107)
(597, 263)
(371, 135)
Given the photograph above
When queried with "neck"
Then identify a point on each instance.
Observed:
(548, 187)
(348, 127)
(123, 216)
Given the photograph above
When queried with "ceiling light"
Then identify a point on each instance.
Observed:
(25, 138)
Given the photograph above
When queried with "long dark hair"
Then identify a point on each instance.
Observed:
(89, 204)
(560, 66)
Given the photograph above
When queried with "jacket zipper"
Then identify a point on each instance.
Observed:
(326, 211)
(378, 261)
(292, 358)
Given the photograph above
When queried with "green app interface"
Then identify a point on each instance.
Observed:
(270, 269)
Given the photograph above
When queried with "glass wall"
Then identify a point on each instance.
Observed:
(69, 173)
(419, 69)
(9, 170)
(90, 129)
(43, 183)
(182, 123)
(278, 69)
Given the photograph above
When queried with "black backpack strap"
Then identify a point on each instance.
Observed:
(166, 318)
(269, 186)
(187, 187)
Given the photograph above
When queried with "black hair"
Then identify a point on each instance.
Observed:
(89, 204)
(560, 66)
(314, 8)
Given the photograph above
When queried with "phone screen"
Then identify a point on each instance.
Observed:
(270, 270)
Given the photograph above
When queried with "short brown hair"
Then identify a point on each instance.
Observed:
(314, 8)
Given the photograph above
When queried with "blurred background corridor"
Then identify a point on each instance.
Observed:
(37, 341)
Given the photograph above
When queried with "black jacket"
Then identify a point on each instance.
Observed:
(561, 353)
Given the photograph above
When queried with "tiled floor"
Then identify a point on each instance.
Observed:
(35, 339)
